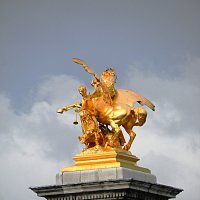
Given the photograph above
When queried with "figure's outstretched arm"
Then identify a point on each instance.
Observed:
(66, 108)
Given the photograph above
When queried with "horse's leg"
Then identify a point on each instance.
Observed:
(116, 130)
(132, 137)
(128, 127)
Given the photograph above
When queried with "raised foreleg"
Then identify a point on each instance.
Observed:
(132, 137)
(128, 127)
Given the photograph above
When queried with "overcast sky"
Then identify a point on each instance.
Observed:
(154, 46)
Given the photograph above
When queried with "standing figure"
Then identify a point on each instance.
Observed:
(91, 133)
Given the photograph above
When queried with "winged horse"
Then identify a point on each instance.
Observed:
(115, 107)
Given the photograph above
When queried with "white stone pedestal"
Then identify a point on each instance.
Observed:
(110, 183)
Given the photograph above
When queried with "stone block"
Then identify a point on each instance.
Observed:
(124, 173)
(89, 176)
(71, 177)
(106, 174)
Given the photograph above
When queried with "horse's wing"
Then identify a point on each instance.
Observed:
(130, 97)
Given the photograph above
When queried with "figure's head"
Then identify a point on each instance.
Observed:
(141, 115)
(108, 72)
(82, 90)
(109, 77)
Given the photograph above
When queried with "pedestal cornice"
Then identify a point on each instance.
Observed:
(112, 189)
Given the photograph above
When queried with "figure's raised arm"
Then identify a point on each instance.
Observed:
(66, 108)
(86, 67)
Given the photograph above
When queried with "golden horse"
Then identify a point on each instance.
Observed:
(110, 106)
(120, 113)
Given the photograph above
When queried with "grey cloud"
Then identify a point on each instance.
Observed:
(58, 89)
(175, 173)
(191, 72)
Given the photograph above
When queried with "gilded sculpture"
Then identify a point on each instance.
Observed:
(105, 110)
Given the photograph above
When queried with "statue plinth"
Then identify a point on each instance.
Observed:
(112, 158)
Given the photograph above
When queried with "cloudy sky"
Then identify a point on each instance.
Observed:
(154, 47)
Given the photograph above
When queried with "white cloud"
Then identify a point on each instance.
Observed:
(57, 89)
(36, 144)
(169, 142)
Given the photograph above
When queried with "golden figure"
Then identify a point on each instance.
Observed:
(92, 135)
(107, 106)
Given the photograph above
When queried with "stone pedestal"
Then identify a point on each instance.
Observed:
(111, 183)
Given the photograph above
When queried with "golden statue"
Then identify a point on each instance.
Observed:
(108, 107)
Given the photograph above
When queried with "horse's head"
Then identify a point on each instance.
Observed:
(141, 115)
